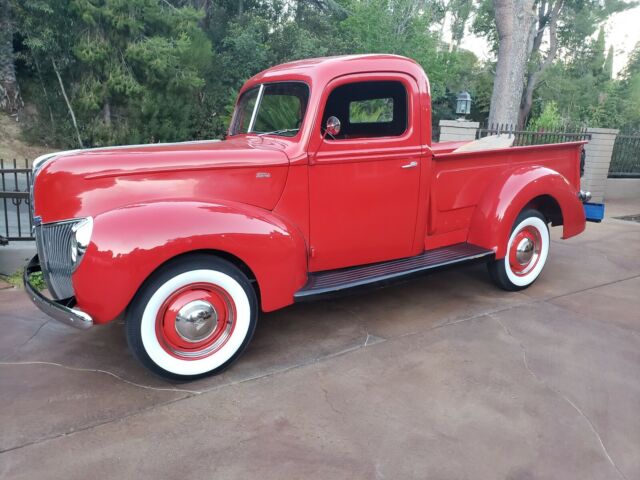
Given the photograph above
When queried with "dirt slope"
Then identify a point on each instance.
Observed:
(11, 144)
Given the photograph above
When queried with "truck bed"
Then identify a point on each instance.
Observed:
(440, 148)
(459, 181)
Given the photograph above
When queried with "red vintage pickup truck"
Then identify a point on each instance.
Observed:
(327, 181)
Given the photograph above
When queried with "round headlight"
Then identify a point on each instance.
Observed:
(80, 238)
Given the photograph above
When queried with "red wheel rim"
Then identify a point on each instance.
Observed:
(213, 329)
(524, 250)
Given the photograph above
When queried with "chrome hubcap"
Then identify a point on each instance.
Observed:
(196, 321)
(524, 251)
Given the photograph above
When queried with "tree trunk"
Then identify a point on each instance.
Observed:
(514, 22)
(66, 99)
(547, 17)
(10, 100)
(107, 113)
(44, 89)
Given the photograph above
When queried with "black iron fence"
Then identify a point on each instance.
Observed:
(537, 137)
(15, 177)
(435, 133)
(15, 218)
(625, 159)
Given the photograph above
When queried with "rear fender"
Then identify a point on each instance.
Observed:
(128, 244)
(510, 193)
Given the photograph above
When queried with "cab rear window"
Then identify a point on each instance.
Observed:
(368, 109)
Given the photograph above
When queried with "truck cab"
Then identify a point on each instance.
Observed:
(327, 181)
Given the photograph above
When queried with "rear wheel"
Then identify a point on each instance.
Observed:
(527, 251)
(193, 318)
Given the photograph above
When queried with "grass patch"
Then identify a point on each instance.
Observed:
(15, 279)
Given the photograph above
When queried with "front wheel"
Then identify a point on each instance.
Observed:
(527, 251)
(193, 318)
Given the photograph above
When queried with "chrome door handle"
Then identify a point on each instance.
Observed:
(410, 165)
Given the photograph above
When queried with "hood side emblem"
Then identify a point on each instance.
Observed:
(263, 175)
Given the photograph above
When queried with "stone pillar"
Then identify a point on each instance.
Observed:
(458, 130)
(598, 157)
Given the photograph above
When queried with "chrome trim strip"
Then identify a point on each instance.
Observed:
(56, 310)
(39, 162)
(255, 108)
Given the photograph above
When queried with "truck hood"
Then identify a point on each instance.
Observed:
(136, 159)
(81, 183)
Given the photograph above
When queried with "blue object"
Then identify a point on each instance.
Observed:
(594, 212)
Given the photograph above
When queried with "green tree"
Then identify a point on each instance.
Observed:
(549, 120)
(566, 24)
(629, 94)
(48, 31)
(128, 70)
(10, 100)
(586, 94)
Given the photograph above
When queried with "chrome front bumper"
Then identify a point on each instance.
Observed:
(59, 310)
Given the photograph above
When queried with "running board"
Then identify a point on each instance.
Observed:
(331, 281)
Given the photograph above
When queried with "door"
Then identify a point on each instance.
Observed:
(364, 181)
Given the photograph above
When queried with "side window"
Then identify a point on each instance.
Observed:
(375, 110)
(277, 109)
(368, 109)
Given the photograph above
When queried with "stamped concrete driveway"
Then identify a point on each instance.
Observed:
(444, 377)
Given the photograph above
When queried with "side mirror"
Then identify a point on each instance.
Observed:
(333, 126)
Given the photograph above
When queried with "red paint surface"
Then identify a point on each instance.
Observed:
(533, 235)
(167, 332)
(287, 206)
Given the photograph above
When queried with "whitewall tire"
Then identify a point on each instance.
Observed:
(527, 252)
(192, 318)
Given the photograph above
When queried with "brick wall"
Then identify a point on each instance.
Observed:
(458, 130)
(597, 161)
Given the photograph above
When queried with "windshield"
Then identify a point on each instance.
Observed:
(274, 108)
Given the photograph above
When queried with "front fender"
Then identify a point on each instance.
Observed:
(505, 198)
(130, 243)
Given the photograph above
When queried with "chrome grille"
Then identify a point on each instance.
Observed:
(53, 241)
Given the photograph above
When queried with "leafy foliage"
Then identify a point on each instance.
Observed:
(582, 91)
(561, 30)
(549, 120)
(369, 111)
(15, 279)
(137, 71)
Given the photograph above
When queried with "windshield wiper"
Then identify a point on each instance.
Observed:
(279, 132)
